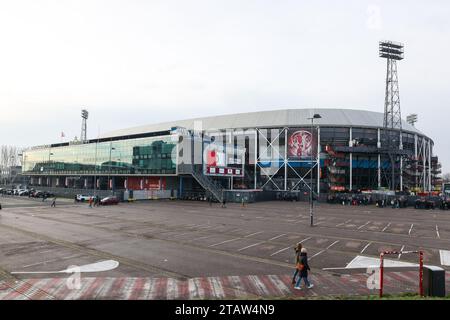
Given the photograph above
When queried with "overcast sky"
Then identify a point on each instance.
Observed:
(138, 62)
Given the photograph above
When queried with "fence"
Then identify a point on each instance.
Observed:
(71, 193)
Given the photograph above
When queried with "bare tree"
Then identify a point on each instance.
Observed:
(9, 157)
(446, 177)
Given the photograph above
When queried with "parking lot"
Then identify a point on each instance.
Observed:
(184, 239)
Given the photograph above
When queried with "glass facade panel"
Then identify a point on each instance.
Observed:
(154, 155)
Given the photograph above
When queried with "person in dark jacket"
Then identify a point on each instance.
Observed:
(303, 268)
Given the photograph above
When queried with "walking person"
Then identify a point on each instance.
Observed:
(210, 200)
(54, 202)
(303, 268)
(298, 249)
(90, 202)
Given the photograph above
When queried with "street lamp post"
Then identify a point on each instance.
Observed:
(311, 208)
(109, 171)
(95, 169)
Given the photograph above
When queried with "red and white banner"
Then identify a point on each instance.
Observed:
(301, 144)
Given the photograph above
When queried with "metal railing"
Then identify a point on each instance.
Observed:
(196, 171)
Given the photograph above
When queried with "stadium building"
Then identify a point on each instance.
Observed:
(242, 156)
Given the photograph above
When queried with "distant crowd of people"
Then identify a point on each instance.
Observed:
(394, 202)
(350, 200)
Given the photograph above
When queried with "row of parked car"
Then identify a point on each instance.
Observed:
(32, 193)
(104, 201)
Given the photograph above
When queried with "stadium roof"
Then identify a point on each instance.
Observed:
(273, 118)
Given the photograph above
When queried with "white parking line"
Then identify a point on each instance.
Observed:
(401, 250)
(181, 234)
(306, 239)
(332, 244)
(341, 224)
(226, 241)
(364, 249)
(365, 224)
(252, 245)
(410, 229)
(271, 239)
(279, 251)
(317, 254)
(53, 260)
(437, 232)
(322, 251)
(38, 263)
(215, 228)
(384, 229)
(205, 237)
(253, 234)
(206, 226)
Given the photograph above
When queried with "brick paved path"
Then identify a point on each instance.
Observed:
(231, 287)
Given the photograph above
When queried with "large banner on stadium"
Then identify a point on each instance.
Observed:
(221, 161)
(301, 144)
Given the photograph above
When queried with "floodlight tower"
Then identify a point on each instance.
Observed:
(84, 117)
(412, 119)
(392, 52)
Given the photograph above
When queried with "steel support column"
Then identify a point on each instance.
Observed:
(379, 157)
(429, 166)
(318, 161)
(256, 156)
(401, 161)
(416, 160)
(285, 160)
(351, 159)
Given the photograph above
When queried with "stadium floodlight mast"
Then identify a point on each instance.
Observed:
(392, 52)
(311, 207)
(84, 117)
(412, 119)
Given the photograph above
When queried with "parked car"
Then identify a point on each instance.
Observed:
(83, 198)
(24, 193)
(42, 194)
(445, 204)
(423, 203)
(109, 200)
(37, 194)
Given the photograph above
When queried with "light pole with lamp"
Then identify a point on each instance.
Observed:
(49, 155)
(311, 209)
(109, 171)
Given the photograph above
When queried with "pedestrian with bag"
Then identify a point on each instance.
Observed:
(298, 249)
(303, 268)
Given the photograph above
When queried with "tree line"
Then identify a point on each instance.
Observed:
(10, 156)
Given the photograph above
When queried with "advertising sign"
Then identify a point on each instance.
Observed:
(301, 144)
(221, 161)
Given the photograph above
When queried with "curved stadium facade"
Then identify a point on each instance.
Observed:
(279, 150)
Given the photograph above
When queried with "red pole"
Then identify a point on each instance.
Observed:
(381, 273)
(421, 273)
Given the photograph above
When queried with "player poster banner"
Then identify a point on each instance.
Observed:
(216, 162)
(302, 144)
